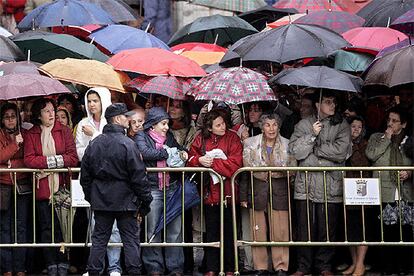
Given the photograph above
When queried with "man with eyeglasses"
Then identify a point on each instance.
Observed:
(320, 140)
(386, 149)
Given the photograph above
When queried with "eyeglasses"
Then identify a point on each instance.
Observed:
(9, 118)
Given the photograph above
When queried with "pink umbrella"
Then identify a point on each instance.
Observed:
(372, 39)
(15, 86)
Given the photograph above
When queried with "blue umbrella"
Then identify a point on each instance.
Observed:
(65, 13)
(116, 38)
(174, 204)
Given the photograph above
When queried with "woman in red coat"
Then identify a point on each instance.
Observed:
(218, 148)
(49, 145)
(11, 156)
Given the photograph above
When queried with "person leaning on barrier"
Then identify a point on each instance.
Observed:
(115, 184)
(319, 143)
(268, 149)
(11, 156)
(49, 145)
(386, 149)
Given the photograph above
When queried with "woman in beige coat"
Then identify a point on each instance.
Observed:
(270, 195)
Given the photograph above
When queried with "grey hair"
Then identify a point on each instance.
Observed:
(269, 116)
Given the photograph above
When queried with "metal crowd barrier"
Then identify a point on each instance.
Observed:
(290, 174)
(185, 173)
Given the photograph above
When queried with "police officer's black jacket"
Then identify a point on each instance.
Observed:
(113, 174)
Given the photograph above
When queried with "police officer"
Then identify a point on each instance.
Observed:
(114, 181)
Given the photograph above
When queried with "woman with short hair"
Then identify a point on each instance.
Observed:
(268, 149)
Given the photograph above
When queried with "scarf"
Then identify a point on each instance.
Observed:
(48, 149)
(159, 143)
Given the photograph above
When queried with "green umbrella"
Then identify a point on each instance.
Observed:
(45, 47)
(352, 61)
(217, 29)
(232, 5)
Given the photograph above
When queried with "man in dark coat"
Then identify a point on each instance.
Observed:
(114, 180)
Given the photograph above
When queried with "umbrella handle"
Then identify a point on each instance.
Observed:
(89, 227)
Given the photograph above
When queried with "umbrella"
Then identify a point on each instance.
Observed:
(337, 21)
(15, 86)
(170, 86)
(373, 39)
(211, 68)
(203, 58)
(405, 23)
(81, 32)
(5, 32)
(65, 13)
(118, 10)
(392, 69)
(290, 42)
(233, 85)
(260, 17)
(394, 47)
(285, 20)
(381, 13)
(9, 50)
(174, 207)
(317, 5)
(352, 61)
(217, 29)
(21, 67)
(318, 77)
(45, 47)
(90, 73)
(198, 46)
(116, 38)
(231, 5)
(155, 62)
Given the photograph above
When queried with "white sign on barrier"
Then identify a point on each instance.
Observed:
(78, 196)
(361, 191)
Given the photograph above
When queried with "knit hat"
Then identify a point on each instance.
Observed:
(154, 116)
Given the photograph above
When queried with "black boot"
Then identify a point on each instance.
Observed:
(52, 270)
(62, 269)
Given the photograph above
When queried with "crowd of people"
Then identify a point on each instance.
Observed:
(322, 130)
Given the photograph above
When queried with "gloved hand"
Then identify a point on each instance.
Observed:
(144, 209)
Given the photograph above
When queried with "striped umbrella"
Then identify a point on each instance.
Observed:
(337, 21)
(318, 5)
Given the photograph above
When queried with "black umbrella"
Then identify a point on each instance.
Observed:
(380, 13)
(217, 29)
(318, 77)
(321, 77)
(290, 42)
(392, 69)
(259, 17)
(9, 50)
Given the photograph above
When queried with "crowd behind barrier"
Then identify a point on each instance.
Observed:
(187, 176)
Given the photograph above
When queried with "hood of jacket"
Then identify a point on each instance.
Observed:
(154, 116)
(105, 96)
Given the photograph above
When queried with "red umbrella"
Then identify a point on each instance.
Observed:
(318, 5)
(233, 85)
(170, 86)
(198, 46)
(79, 31)
(372, 39)
(155, 62)
(337, 21)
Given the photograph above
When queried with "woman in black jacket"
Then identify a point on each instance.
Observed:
(155, 143)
